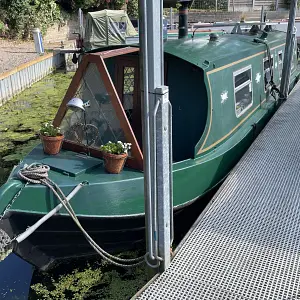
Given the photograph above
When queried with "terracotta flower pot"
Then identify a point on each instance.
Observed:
(52, 144)
(114, 163)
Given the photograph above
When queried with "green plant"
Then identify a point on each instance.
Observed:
(48, 129)
(133, 8)
(3, 28)
(23, 15)
(116, 148)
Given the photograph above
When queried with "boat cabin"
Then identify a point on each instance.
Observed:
(217, 85)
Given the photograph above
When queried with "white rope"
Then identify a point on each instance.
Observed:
(38, 174)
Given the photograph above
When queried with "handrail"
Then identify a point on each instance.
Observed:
(154, 180)
(171, 175)
(235, 23)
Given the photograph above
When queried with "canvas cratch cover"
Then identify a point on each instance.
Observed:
(107, 27)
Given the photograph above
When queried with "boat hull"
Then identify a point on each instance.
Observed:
(59, 239)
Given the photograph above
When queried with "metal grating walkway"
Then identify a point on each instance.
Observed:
(247, 243)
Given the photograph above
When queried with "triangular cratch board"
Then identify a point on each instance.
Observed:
(104, 117)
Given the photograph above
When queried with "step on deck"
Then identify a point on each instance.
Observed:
(246, 245)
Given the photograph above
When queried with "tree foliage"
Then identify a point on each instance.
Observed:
(21, 16)
(133, 8)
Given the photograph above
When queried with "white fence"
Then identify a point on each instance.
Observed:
(22, 77)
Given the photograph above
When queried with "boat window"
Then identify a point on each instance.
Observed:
(242, 90)
(99, 123)
(267, 71)
(280, 63)
(128, 91)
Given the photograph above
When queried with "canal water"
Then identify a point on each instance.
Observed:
(20, 120)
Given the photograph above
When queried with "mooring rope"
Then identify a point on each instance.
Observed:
(38, 174)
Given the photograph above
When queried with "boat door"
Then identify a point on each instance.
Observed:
(127, 78)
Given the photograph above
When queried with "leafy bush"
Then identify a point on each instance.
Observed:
(133, 8)
(90, 5)
(23, 15)
(3, 29)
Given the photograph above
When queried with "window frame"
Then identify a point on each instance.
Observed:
(267, 87)
(136, 160)
(238, 88)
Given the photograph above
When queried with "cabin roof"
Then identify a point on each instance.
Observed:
(229, 48)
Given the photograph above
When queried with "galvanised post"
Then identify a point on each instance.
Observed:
(288, 51)
(151, 38)
(163, 171)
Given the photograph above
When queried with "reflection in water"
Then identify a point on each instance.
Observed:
(15, 278)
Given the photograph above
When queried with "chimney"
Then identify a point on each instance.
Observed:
(183, 19)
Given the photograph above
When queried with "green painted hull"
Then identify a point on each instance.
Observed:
(111, 207)
(122, 195)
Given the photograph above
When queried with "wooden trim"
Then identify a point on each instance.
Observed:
(25, 65)
(129, 134)
(71, 90)
(116, 52)
(137, 160)
(72, 146)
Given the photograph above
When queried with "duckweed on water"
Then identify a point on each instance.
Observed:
(21, 118)
(88, 280)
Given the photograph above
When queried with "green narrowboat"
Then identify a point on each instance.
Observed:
(222, 94)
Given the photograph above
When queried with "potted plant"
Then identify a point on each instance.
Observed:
(114, 155)
(51, 138)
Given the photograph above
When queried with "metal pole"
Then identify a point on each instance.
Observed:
(276, 4)
(288, 51)
(171, 18)
(80, 18)
(155, 121)
(262, 13)
(163, 176)
(216, 5)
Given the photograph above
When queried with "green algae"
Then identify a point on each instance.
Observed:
(22, 116)
(89, 279)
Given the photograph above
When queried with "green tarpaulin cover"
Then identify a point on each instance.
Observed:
(107, 27)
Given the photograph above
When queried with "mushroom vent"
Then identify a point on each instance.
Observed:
(213, 37)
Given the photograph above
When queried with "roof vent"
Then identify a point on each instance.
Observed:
(213, 37)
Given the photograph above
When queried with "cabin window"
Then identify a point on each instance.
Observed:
(267, 70)
(242, 90)
(280, 63)
(128, 91)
